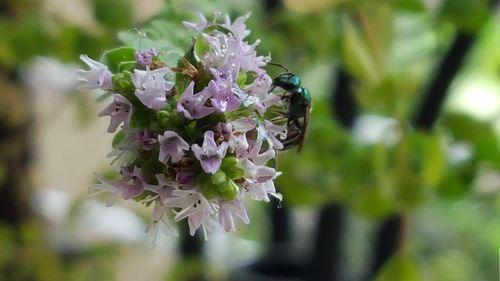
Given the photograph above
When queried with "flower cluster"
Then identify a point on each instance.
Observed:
(195, 139)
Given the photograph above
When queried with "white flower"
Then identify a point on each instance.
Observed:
(229, 210)
(195, 207)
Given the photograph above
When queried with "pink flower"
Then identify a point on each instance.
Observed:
(130, 185)
(202, 24)
(257, 94)
(223, 99)
(98, 77)
(164, 188)
(269, 131)
(238, 27)
(209, 154)
(193, 106)
(137, 139)
(120, 111)
(171, 146)
(160, 220)
(146, 57)
(238, 142)
(151, 87)
(258, 177)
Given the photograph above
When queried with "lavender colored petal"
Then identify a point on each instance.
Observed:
(120, 111)
(98, 77)
(172, 147)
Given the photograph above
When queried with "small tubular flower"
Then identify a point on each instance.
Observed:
(151, 87)
(209, 154)
(120, 111)
(98, 77)
(193, 106)
(172, 147)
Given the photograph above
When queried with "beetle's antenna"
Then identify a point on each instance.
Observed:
(278, 65)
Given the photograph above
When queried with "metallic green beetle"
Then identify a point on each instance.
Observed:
(298, 111)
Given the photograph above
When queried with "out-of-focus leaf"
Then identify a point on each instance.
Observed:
(457, 181)
(377, 25)
(468, 15)
(113, 14)
(311, 6)
(480, 134)
(410, 192)
(452, 266)
(399, 267)
(357, 57)
(410, 5)
(373, 202)
(434, 160)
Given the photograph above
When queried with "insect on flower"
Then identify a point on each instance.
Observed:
(298, 107)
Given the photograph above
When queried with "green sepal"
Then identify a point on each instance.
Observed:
(242, 79)
(113, 58)
(118, 138)
(228, 190)
(250, 77)
(203, 76)
(200, 47)
(181, 80)
(143, 196)
(127, 65)
(208, 189)
(162, 114)
(122, 82)
(149, 163)
(229, 161)
(230, 169)
(218, 178)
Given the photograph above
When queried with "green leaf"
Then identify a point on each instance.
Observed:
(113, 58)
(182, 80)
(122, 83)
(200, 47)
(480, 134)
(399, 267)
(118, 138)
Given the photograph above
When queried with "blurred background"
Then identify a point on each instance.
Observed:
(398, 180)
